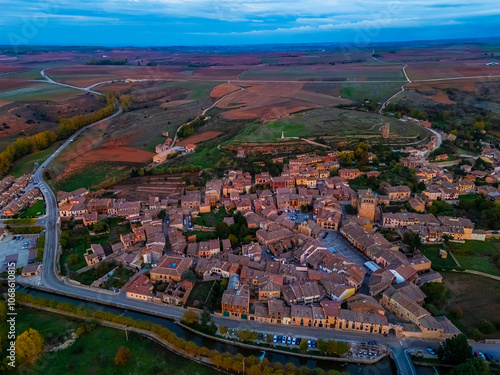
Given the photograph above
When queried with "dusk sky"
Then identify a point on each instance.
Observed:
(202, 22)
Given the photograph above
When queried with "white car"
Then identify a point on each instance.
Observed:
(275, 338)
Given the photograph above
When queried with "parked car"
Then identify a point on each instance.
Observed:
(280, 339)
(308, 343)
(313, 344)
(261, 336)
(372, 343)
(431, 351)
(275, 338)
(294, 341)
(482, 355)
(297, 342)
(289, 340)
(488, 356)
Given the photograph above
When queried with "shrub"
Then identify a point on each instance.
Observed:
(123, 355)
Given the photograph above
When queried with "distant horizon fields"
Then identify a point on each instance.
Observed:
(271, 46)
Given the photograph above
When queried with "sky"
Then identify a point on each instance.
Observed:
(229, 22)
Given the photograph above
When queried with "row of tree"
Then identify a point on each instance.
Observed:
(25, 146)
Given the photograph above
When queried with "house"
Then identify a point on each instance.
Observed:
(310, 228)
(236, 302)
(30, 270)
(396, 193)
(349, 174)
(94, 255)
(89, 218)
(170, 268)
(190, 147)
(141, 288)
(252, 251)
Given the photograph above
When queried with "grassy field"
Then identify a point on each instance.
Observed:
(438, 263)
(331, 123)
(40, 91)
(25, 165)
(38, 209)
(477, 255)
(84, 358)
(472, 255)
(91, 177)
(375, 91)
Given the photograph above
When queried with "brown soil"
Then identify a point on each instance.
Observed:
(202, 137)
(223, 89)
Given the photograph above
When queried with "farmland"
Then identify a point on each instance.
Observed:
(303, 93)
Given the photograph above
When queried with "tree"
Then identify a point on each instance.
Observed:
(455, 350)
(303, 346)
(206, 317)
(233, 239)
(476, 366)
(486, 327)
(412, 240)
(188, 275)
(29, 346)
(436, 293)
(162, 214)
(223, 330)
(122, 356)
(190, 317)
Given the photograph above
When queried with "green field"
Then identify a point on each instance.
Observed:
(331, 123)
(379, 91)
(26, 164)
(94, 352)
(432, 253)
(342, 73)
(478, 255)
(472, 255)
(91, 177)
(40, 91)
(38, 209)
